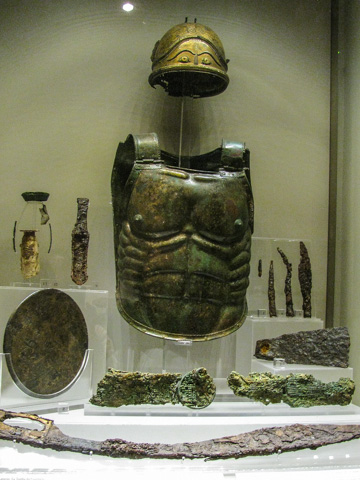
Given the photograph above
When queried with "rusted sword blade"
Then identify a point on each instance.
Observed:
(80, 243)
(264, 441)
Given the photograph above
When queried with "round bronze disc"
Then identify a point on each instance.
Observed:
(47, 339)
(196, 389)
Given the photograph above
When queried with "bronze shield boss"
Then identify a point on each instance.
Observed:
(182, 239)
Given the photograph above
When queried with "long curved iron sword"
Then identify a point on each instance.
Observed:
(264, 441)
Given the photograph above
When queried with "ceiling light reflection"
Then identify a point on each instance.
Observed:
(128, 7)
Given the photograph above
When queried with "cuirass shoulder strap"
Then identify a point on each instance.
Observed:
(146, 146)
(232, 154)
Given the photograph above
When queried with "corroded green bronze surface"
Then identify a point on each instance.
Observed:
(195, 389)
(297, 390)
(182, 239)
(189, 60)
(119, 388)
(35, 196)
(47, 339)
(263, 441)
(328, 347)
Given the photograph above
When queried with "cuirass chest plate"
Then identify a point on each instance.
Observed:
(182, 246)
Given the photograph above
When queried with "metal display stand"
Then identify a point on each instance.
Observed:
(325, 374)
(78, 391)
(94, 306)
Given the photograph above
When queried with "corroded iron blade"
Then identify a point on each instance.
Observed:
(263, 441)
(327, 347)
(80, 244)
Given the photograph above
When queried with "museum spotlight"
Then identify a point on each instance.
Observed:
(128, 7)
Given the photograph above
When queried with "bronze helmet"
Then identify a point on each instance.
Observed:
(190, 61)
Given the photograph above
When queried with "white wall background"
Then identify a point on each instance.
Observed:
(74, 84)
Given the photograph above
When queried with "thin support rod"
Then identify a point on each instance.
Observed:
(181, 128)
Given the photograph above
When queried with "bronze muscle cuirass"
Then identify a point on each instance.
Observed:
(182, 239)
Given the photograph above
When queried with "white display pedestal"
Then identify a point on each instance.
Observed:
(325, 374)
(228, 415)
(21, 461)
(239, 408)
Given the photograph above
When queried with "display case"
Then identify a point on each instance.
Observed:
(75, 84)
(93, 305)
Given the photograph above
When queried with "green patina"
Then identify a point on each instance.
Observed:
(195, 389)
(182, 237)
(296, 390)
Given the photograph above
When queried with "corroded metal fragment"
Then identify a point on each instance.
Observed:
(80, 243)
(287, 289)
(44, 214)
(263, 441)
(271, 291)
(30, 265)
(297, 390)
(328, 347)
(46, 338)
(305, 279)
(195, 389)
(119, 388)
